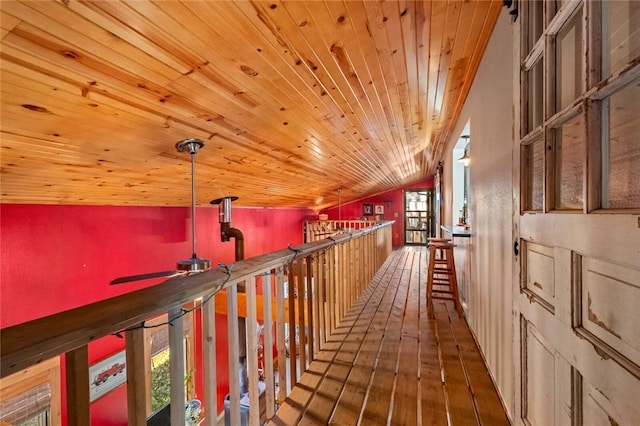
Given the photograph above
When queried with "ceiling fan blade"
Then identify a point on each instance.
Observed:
(130, 278)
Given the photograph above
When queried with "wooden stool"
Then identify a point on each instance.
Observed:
(433, 240)
(442, 273)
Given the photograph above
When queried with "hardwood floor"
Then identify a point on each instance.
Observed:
(388, 363)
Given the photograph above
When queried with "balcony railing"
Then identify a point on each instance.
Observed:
(316, 230)
(307, 288)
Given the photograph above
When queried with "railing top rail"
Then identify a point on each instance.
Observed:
(32, 342)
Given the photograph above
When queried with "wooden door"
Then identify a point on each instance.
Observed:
(418, 216)
(577, 228)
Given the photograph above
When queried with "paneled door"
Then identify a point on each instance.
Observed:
(577, 227)
(418, 216)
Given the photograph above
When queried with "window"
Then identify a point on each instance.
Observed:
(157, 338)
(579, 147)
(32, 396)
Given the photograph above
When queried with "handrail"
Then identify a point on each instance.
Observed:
(67, 330)
(336, 269)
(316, 230)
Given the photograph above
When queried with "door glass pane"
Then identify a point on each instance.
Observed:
(569, 62)
(418, 216)
(621, 38)
(534, 96)
(621, 165)
(569, 159)
(532, 185)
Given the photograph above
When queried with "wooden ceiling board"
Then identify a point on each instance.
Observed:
(325, 82)
(344, 86)
(293, 99)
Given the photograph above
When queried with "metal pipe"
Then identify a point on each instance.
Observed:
(193, 201)
(226, 233)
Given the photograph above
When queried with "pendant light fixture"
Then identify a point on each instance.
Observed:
(195, 263)
(465, 159)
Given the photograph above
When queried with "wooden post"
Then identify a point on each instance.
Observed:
(302, 337)
(234, 353)
(210, 399)
(311, 324)
(252, 353)
(77, 381)
(331, 283)
(268, 346)
(177, 365)
(280, 323)
(292, 325)
(316, 285)
(138, 393)
(322, 298)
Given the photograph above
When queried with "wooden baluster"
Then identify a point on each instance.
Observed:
(338, 282)
(209, 362)
(252, 353)
(331, 282)
(293, 369)
(138, 352)
(302, 336)
(234, 353)
(352, 281)
(311, 324)
(317, 326)
(322, 299)
(280, 335)
(344, 267)
(77, 383)
(177, 365)
(268, 345)
(348, 283)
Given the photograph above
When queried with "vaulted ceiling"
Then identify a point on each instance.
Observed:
(293, 99)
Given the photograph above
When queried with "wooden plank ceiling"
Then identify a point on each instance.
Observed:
(293, 99)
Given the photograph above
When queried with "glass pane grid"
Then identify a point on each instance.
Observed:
(621, 159)
(535, 96)
(621, 34)
(568, 59)
(569, 159)
(533, 182)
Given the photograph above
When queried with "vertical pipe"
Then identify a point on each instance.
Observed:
(193, 202)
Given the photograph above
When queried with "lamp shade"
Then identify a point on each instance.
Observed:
(465, 159)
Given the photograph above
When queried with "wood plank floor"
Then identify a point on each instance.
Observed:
(389, 364)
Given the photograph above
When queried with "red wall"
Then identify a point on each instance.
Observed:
(394, 211)
(55, 258)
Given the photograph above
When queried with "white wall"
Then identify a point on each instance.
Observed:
(489, 108)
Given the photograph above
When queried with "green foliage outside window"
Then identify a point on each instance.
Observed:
(160, 380)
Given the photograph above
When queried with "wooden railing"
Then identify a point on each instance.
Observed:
(322, 281)
(316, 230)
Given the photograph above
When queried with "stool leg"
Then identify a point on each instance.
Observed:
(432, 263)
(453, 281)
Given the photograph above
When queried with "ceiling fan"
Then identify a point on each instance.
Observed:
(186, 266)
